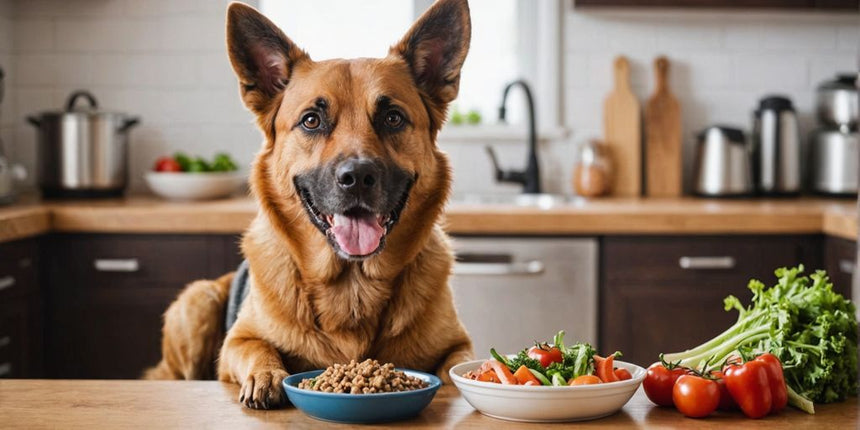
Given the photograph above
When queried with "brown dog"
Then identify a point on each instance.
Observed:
(346, 258)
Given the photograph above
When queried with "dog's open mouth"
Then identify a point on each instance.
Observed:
(358, 232)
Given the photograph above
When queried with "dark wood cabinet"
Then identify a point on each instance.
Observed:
(20, 310)
(665, 294)
(846, 5)
(840, 262)
(106, 295)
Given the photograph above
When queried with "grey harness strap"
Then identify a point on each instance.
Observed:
(238, 291)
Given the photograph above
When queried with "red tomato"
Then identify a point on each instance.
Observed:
(695, 397)
(167, 164)
(727, 403)
(659, 382)
(623, 374)
(778, 391)
(749, 385)
(545, 354)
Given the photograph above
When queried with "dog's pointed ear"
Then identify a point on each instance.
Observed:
(261, 55)
(435, 48)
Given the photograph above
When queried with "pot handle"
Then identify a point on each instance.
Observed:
(73, 98)
(34, 121)
(129, 123)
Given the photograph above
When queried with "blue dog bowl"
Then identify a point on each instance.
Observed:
(361, 408)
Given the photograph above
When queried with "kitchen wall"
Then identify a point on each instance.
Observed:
(165, 61)
(722, 62)
(7, 128)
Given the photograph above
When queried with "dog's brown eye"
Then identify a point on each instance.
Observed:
(311, 121)
(393, 119)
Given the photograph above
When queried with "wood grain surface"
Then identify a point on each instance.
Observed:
(623, 133)
(67, 404)
(143, 214)
(662, 137)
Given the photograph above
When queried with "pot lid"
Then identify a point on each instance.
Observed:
(842, 81)
(89, 106)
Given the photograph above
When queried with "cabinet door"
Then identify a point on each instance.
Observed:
(107, 294)
(20, 311)
(840, 261)
(650, 304)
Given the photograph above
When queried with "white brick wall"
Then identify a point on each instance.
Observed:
(722, 62)
(165, 61)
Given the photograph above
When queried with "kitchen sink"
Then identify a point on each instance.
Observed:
(543, 201)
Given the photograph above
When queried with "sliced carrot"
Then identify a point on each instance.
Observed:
(503, 372)
(489, 376)
(604, 369)
(532, 383)
(524, 375)
(585, 380)
(623, 374)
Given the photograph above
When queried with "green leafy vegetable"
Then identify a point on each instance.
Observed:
(801, 320)
(577, 360)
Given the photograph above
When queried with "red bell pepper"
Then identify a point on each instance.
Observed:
(749, 385)
(778, 391)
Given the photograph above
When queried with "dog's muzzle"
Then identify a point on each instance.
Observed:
(355, 202)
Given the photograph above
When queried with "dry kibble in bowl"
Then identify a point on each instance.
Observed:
(366, 377)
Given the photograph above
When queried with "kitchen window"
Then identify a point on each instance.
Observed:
(507, 43)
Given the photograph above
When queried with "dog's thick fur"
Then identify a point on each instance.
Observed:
(308, 307)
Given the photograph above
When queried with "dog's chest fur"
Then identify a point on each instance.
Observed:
(351, 316)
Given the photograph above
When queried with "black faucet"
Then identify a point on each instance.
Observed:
(530, 178)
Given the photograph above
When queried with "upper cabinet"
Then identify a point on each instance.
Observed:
(734, 4)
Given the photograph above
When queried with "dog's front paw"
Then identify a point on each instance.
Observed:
(262, 390)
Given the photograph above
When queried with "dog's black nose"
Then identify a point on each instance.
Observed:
(357, 174)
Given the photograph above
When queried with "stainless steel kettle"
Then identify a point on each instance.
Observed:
(722, 163)
(776, 147)
(82, 152)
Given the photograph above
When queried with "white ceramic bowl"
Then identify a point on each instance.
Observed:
(193, 186)
(543, 403)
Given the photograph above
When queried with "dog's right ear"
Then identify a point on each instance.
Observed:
(261, 55)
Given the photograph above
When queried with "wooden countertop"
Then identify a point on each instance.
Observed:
(34, 404)
(146, 214)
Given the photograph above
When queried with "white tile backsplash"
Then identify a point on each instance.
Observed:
(165, 61)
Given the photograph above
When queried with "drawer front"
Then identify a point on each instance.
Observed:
(706, 258)
(108, 261)
(18, 268)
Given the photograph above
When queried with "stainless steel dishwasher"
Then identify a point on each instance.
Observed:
(510, 292)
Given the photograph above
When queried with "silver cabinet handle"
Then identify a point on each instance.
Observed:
(533, 267)
(5, 341)
(117, 265)
(6, 282)
(5, 368)
(847, 266)
(707, 263)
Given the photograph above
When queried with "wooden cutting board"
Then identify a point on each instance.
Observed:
(623, 133)
(662, 137)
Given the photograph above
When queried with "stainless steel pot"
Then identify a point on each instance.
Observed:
(838, 103)
(835, 161)
(82, 152)
(722, 166)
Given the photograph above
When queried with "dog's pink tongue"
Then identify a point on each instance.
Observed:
(357, 235)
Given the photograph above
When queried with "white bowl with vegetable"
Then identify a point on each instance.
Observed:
(546, 403)
(194, 186)
(185, 178)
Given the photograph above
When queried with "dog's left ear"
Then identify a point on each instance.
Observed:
(435, 48)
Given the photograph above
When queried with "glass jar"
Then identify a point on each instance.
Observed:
(592, 171)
